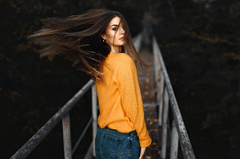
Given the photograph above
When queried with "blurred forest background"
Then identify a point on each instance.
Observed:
(200, 43)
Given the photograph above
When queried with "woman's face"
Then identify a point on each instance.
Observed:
(114, 35)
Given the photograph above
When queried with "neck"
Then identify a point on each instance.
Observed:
(116, 49)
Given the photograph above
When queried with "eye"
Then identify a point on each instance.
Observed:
(115, 28)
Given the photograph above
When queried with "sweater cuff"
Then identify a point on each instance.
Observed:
(145, 143)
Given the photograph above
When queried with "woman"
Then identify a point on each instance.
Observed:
(96, 42)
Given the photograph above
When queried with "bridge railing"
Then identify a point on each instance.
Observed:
(62, 114)
(165, 97)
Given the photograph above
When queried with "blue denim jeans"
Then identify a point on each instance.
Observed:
(111, 144)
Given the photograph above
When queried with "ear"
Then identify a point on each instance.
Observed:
(103, 36)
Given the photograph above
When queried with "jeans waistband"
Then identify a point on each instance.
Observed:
(132, 134)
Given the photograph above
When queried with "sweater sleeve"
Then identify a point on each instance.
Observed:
(131, 98)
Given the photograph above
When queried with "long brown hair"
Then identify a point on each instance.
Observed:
(78, 38)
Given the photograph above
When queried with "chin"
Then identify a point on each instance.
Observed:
(123, 43)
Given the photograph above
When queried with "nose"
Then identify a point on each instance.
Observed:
(122, 31)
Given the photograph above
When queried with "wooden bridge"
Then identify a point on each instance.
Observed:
(157, 95)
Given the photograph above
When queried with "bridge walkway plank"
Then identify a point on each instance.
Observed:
(146, 82)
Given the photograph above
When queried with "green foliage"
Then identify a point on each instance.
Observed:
(201, 51)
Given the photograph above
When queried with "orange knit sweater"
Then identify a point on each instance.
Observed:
(119, 97)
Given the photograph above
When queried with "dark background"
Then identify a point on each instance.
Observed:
(200, 43)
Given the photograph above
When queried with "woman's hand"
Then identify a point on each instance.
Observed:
(142, 152)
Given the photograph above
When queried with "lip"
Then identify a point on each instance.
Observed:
(122, 38)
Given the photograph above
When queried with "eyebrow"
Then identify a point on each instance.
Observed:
(114, 25)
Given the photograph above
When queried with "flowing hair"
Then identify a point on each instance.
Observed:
(78, 38)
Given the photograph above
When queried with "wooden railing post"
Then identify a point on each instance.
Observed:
(159, 79)
(165, 124)
(174, 142)
(67, 137)
(94, 116)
